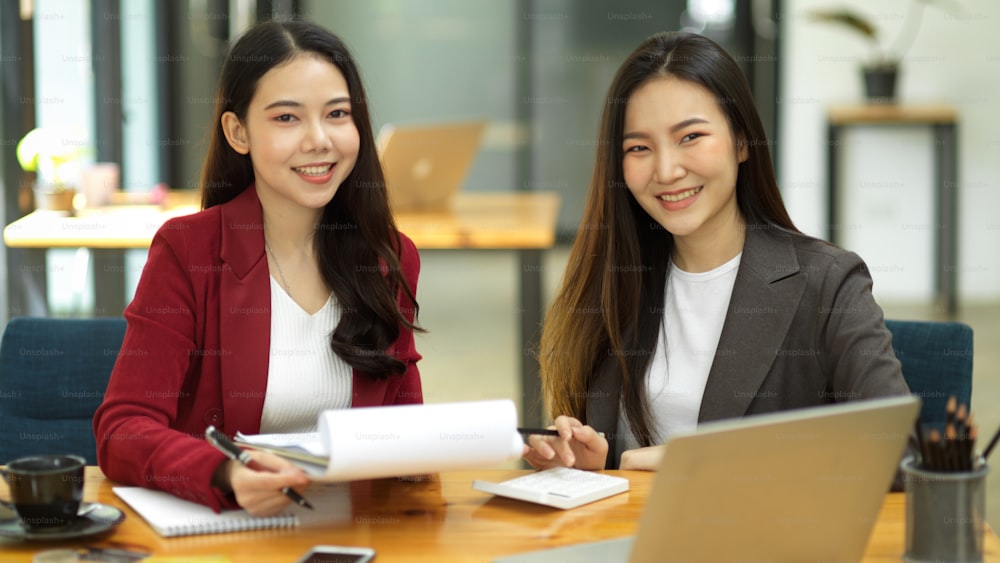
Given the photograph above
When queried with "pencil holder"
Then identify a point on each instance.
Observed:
(945, 512)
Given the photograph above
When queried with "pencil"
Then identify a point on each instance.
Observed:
(948, 436)
(951, 457)
(935, 450)
(922, 449)
(969, 444)
(962, 435)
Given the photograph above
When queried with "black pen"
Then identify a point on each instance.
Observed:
(238, 454)
(539, 431)
(992, 443)
(544, 432)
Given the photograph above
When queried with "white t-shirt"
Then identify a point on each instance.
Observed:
(304, 376)
(694, 311)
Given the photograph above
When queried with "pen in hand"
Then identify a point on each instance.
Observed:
(539, 431)
(544, 431)
(238, 454)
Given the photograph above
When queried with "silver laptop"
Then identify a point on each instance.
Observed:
(425, 165)
(800, 485)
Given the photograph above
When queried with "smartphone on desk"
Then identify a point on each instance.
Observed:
(338, 554)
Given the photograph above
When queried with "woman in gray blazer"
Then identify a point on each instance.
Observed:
(689, 294)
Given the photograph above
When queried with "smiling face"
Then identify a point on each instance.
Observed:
(299, 133)
(680, 160)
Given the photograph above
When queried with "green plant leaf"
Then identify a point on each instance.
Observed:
(28, 149)
(849, 18)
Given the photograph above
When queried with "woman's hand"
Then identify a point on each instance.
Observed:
(258, 490)
(642, 459)
(577, 446)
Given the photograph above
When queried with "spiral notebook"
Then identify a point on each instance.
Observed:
(172, 516)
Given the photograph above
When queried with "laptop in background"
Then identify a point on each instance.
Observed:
(800, 485)
(425, 165)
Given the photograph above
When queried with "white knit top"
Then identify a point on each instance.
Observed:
(304, 376)
(695, 306)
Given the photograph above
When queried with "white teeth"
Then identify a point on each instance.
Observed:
(314, 170)
(680, 196)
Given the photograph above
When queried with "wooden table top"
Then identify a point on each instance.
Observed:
(891, 113)
(441, 519)
(474, 220)
(509, 220)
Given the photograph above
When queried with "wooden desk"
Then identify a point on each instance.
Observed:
(514, 220)
(520, 221)
(106, 231)
(943, 121)
(440, 520)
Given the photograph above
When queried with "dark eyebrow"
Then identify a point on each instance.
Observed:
(687, 123)
(675, 128)
(294, 104)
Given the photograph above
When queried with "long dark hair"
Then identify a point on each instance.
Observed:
(607, 313)
(357, 241)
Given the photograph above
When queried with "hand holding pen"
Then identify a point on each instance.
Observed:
(241, 456)
(568, 443)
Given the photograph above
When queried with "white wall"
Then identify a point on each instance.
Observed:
(64, 78)
(955, 59)
(64, 104)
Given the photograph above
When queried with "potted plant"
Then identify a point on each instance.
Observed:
(881, 71)
(56, 161)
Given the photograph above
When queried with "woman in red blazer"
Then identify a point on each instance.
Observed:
(292, 190)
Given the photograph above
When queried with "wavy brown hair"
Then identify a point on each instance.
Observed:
(357, 241)
(608, 310)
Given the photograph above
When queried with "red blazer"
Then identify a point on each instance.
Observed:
(196, 353)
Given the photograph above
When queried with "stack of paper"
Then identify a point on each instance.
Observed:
(375, 442)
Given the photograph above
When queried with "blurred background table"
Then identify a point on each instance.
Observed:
(520, 221)
(942, 120)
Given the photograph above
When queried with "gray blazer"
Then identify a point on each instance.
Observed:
(802, 330)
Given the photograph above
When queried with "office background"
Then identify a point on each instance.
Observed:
(538, 70)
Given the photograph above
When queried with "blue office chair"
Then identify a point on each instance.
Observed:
(937, 363)
(53, 374)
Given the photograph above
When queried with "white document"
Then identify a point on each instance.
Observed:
(375, 442)
(308, 443)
